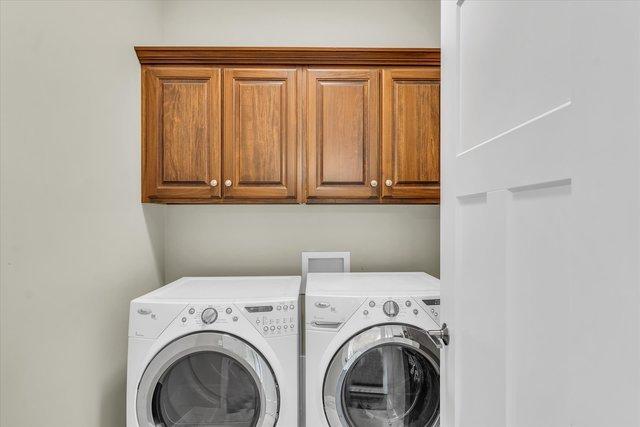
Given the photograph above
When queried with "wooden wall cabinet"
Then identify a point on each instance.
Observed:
(260, 133)
(342, 134)
(411, 134)
(290, 125)
(181, 133)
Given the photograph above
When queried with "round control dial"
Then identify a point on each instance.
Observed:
(391, 308)
(209, 316)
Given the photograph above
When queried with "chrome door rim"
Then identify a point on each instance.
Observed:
(351, 351)
(226, 344)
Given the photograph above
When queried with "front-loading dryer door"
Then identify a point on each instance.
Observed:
(208, 379)
(386, 376)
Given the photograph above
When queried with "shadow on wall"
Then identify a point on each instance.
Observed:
(154, 218)
(113, 402)
(113, 386)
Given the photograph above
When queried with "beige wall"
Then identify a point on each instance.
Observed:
(393, 23)
(222, 240)
(228, 240)
(76, 243)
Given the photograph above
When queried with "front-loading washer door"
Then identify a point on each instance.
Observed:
(208, 379)
(386, 376)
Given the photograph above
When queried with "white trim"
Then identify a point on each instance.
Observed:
(515, 128)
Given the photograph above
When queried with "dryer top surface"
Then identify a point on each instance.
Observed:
(371, 284)
(228, 288)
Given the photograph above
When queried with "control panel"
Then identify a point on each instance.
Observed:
(205, 315)
(330, 313)
(433, 308)
(397, 309)
(273, 318)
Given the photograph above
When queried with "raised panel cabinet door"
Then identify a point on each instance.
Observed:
(411, 133)
(260, 135)
(182, 131)
(342, 133)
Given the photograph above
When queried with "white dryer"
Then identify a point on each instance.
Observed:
(215, 352)
(369, 359)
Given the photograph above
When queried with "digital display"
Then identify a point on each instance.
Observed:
(431, 301)
(259, 308)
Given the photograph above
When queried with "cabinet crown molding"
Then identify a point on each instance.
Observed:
(158, 55)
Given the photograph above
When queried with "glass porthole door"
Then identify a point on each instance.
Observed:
(386, 376)
(208, 379)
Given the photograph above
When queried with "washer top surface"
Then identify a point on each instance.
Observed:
(371, 284)
(227, 289)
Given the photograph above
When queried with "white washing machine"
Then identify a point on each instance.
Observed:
(215, 352)
(369, 359)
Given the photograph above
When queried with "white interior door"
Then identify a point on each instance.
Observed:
(540, 213)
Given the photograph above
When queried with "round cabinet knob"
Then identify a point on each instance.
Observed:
(214, 183)
(388, 183)
(374, 183)
(391, 308)
(228, 183)
(209, 316)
